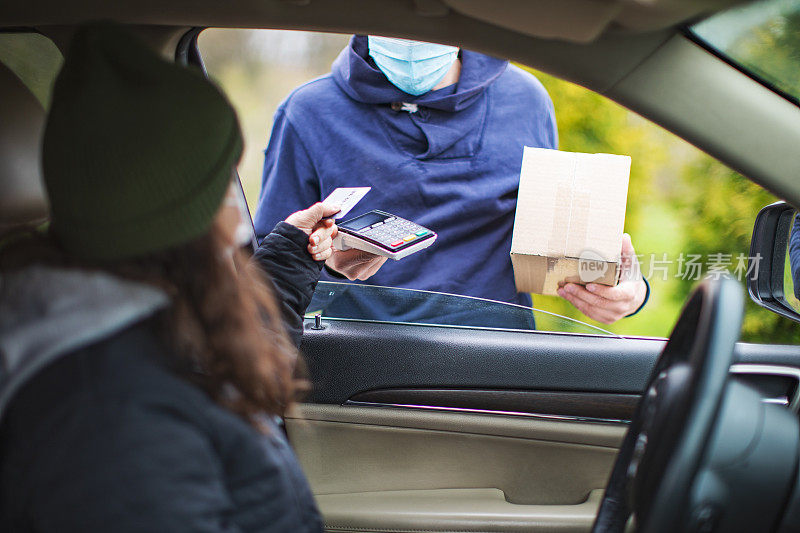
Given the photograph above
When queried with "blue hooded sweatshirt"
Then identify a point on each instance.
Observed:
(452, 166)
(794, 255)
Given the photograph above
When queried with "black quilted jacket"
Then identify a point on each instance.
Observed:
(112, 438)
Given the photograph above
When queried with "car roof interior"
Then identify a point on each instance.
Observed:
(631, 51)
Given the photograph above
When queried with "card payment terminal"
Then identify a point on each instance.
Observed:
(383, 234)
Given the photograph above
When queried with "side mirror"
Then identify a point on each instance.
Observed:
(774, 275)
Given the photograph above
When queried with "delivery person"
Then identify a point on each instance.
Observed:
(438, 133)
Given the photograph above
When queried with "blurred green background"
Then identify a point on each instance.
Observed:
(680, 201)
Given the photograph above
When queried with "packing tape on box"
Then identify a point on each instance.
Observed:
(577, 204)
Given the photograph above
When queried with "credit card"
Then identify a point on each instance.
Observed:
(346, 198)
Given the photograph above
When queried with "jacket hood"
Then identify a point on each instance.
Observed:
(358, 76)
(47, 313)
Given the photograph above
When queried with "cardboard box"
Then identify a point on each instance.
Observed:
(569, 221)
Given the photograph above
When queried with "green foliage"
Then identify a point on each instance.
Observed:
(680, 201)
(727, 204)
(772, 50)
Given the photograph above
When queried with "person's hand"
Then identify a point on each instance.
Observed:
(608, 304)
(355, 264)
(320, 232)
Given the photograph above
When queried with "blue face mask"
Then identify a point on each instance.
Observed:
(414, 67)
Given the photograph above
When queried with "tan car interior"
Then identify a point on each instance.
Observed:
(403, 470)
(380, 469)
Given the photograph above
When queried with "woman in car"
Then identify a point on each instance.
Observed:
(144, 360)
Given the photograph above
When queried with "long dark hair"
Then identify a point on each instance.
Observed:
(223, 320)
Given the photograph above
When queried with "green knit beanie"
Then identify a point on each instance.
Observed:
(137, 153)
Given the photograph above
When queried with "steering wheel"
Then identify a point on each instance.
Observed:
(671, 428)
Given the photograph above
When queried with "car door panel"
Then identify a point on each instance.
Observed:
(349, 357)
(386, 469)
(453, 510)
(412, 427)
(597, 406)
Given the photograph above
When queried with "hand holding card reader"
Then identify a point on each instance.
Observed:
(383, 234)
